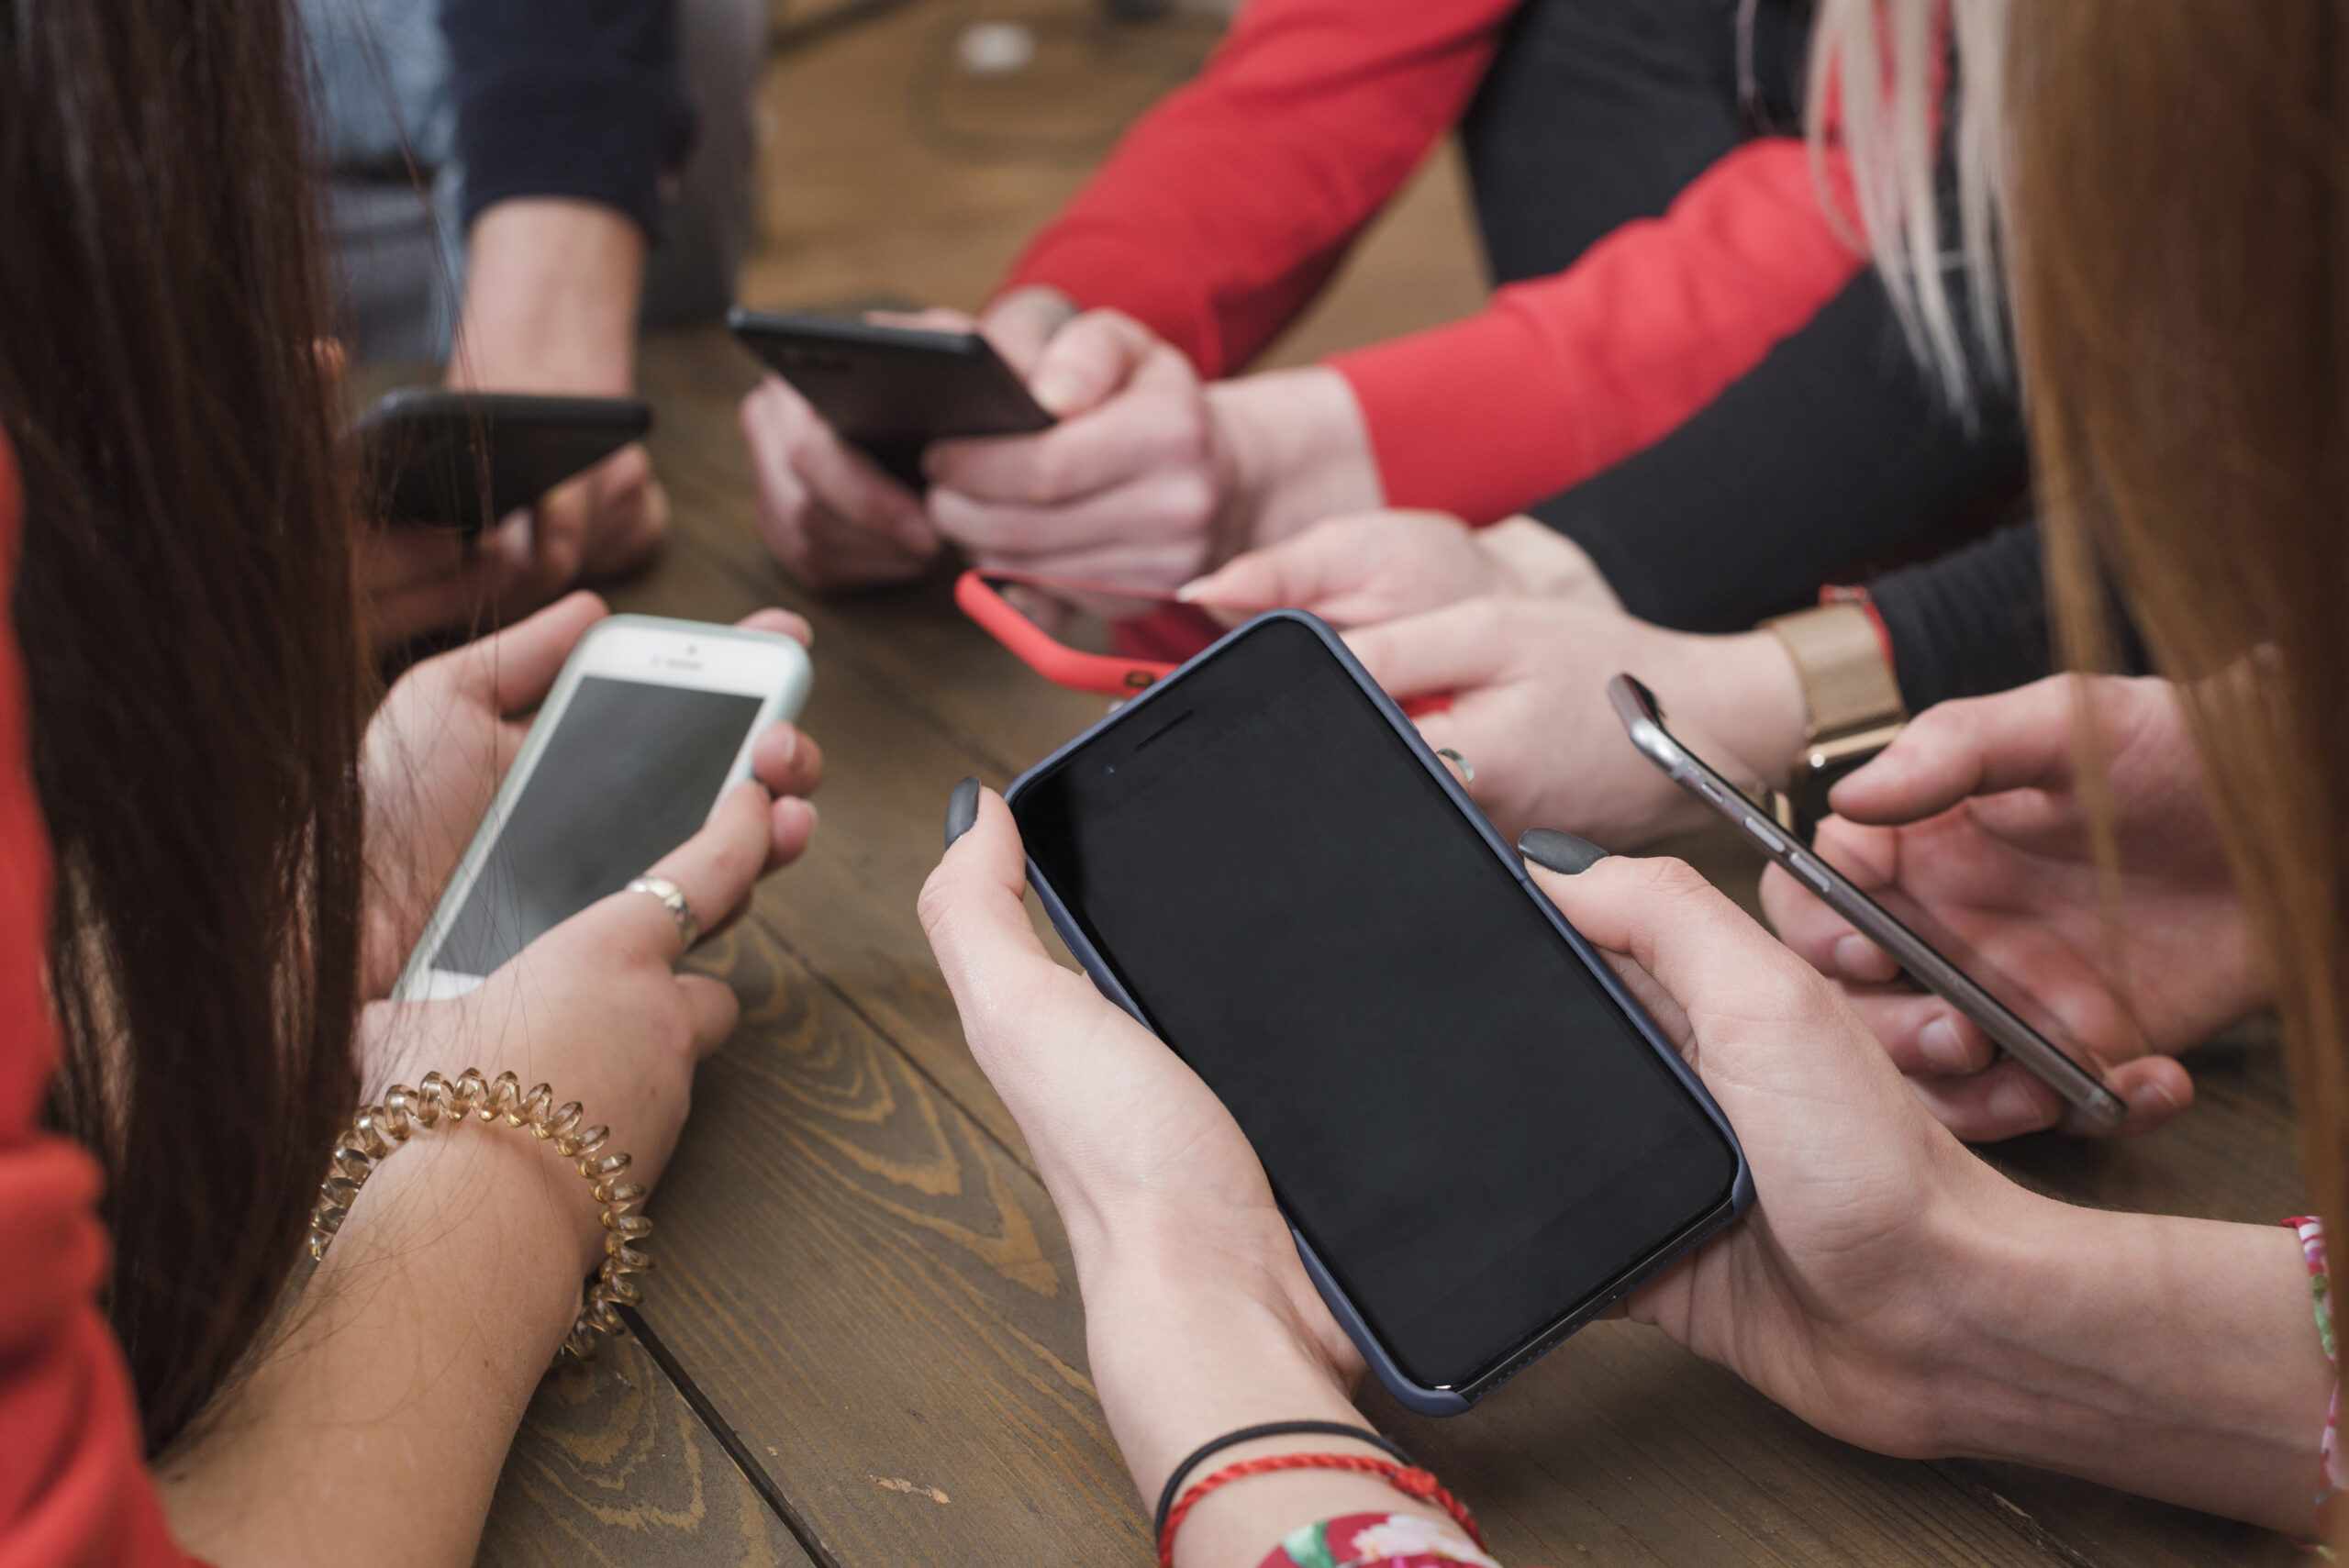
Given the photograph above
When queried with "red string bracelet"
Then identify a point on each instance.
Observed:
(1409, 1480)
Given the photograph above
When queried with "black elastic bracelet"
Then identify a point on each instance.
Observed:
(1249, 1434)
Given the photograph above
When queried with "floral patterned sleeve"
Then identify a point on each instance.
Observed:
(1377, 1541)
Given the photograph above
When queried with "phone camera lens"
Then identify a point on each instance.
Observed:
(1111, 769)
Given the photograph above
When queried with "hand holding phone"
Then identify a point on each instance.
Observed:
(1260, 859)
(462, 461)
(1203, 1319)
(2019, 1022)
(648, 724)
(1977, 815)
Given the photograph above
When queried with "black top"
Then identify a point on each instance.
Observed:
(1968, 623)
(1975, 621)
(580, 98)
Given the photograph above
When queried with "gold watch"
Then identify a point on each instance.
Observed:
(1851, 701)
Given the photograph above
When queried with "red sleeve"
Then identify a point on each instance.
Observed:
(1565, 375)
(74, 1489)
(1226, 207)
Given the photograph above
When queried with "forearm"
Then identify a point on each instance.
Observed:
(2174, 1358)
(1296, 452)
(385, 1409)
(551, 289)
(1178, 1363)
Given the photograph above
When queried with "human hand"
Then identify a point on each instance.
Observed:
(1127, 488)
(1199, 1318)
(1352, 571)
(1834, 1295)
(596, 1008)
(1977, 814)
(551, 299)
(1528, 678)
(439, 746)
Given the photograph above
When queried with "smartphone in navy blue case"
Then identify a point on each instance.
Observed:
(1480, 1140)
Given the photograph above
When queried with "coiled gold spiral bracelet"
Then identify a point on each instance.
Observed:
(377, 1130)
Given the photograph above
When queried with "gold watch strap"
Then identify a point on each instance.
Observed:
(1847, 682)
(1851, 701)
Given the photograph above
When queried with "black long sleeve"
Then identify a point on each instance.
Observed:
(577, 98)
(1968, 623)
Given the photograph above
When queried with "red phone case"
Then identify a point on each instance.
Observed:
(1113, 674)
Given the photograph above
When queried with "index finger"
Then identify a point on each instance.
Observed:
(2018, 739)
(1440, 650)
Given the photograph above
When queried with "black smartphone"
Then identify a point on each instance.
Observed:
(1932, 955)
(1479, 1138)
(465, 459)
(891, 391)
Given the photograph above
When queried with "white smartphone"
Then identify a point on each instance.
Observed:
(649, 725)
(1932, 955)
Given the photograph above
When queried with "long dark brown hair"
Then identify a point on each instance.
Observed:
(185, 602)
(2180, 208)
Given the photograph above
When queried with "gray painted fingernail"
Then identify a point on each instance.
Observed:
(1561, 852)
(962, 810)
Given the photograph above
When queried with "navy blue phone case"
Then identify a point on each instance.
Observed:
(1412, 1395)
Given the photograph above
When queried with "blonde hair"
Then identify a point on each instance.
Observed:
(1876, 68)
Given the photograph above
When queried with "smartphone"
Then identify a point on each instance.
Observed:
(891, 391)
(1089, 637)
(1477, 1137)
(649, 724)
(1933, 956)
(466, 460)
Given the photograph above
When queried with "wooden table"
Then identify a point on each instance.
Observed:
(863, 1346)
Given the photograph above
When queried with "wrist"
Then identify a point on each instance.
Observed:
(1293, 449)
(552, 292)
(2174, 1358)
(1737, 695)
(1183, 1355)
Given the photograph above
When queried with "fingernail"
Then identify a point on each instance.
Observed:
(1855, 958)
(2015, 1107)
(1561, 852)
(1056, 392)
(962, 810)
(1939, 1042)
(1190, 590)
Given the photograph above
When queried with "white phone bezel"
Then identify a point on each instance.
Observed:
(656, 650)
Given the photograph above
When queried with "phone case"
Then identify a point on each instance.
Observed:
(1053, 659)
(1412, 1395)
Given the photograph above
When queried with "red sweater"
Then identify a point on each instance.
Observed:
(74, 1488)
(1226, 207)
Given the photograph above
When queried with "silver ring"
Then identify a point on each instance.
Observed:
(1467, 768)
(672, 898)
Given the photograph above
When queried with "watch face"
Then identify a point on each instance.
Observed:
(1824, 761)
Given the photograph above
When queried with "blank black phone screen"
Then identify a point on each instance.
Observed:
(1455, 1114)
(630, 772)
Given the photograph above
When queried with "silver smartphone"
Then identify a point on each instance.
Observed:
(651, 722)
(1932, 956)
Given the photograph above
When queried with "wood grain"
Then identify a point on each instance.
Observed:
(613, 1468)
(878, 1296)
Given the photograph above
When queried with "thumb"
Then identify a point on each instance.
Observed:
(1089, 361)
(512, 670)
(971, 909)
(1707, 953)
